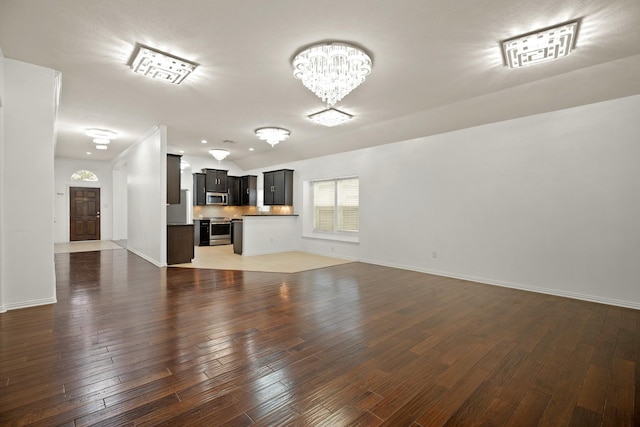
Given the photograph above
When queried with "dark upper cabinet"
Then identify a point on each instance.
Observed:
(249, 190)
(199, 189)
(216, 180)
(233, 185)
(243, 190)
(278, 187)
(173, 179)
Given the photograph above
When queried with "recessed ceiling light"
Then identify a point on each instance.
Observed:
(88, 153)
(101, 147)
(251, 149)
(101, 133)
(330, 117)
(101, 141)
(160, 65)
(204, 141)
(181, 151)
(540, 46)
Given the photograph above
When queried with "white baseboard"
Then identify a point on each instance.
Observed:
(331, 255)
(27, 304)
(540, 290)
(145, 257)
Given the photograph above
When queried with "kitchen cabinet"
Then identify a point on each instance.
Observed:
(216, 180)
(180, 244)
(243, 190)
(278, 187)
(201, 232)
(237, 237)
(233, 185)
(199, 189)
(248, 190)
(173, 179)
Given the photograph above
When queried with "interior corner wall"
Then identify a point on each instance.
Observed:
(63, 169)
(147, 197)
(2, 203)
(28, 110)
(547, 203)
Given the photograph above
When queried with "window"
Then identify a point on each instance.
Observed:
(84, 175)
(336, 205)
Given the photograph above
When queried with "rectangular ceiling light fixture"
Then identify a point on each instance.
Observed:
(160, 65)
(330, 117)
(540, 46)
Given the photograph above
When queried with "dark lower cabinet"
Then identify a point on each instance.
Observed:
(201, 232)
(180, 244)
(237, 237)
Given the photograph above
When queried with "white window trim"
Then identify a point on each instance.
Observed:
(307, 227)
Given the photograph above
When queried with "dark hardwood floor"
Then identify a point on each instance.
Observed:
(357, 344)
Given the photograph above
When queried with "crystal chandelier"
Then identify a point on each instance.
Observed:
(540, 46)
(330, 117)
(272, 135)
(219, 154)
(160, 65)
(331, 70)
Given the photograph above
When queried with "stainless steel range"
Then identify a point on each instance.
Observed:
(220, 231)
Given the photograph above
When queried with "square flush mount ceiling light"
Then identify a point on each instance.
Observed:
(540, 46)
(160, 65)
(330, 117)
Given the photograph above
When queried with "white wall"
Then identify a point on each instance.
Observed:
(2, 202)
(29, 110)
(64, 168)
(146, 169)
(548, 203)
(120, 197)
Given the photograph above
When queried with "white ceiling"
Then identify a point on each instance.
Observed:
(437, 67)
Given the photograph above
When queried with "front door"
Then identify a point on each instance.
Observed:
(84, 213)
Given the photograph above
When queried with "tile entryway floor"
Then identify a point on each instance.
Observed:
(223, 258)
(85, 246)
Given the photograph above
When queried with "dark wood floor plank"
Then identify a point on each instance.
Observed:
(585, 418)
(475, 406)
(594, 389)
(497, 413)
(132, 344)
(529, 410)
(439, 411)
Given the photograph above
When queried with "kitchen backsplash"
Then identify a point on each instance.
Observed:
(238, 211)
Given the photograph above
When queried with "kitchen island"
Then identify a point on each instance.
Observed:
(265, 234)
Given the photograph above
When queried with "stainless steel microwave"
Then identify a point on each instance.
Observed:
(216, 198)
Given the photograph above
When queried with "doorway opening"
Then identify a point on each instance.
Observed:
(84, 213)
